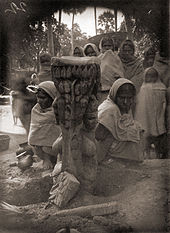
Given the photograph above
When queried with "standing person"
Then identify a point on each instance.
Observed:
(91, 50)
(45, 69)
(162, 65)
(150, 112)
(23, 101)
(133, 66)
(78, 52)
(149, 57)
(43, 128)
(118, 135)
(13, 102)
(111, 66)
(106, 43)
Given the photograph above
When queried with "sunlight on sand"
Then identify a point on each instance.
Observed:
(7, 123)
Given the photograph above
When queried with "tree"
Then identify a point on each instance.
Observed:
(74, 11)
(79, 39)
(141, 36)
(106, 21)
(123, 27)
(25, 48)
(95, 19)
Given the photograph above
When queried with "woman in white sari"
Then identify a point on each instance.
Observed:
(118, 135)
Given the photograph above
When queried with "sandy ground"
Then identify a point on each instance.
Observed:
(140, 190)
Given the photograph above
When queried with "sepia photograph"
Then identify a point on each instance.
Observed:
(84, 116)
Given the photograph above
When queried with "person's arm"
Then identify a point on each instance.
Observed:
(103, 134)
(104, 140)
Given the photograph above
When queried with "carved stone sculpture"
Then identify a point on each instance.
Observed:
(77, 81)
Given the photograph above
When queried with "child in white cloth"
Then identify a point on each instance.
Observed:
(150, 111)
(43, 128)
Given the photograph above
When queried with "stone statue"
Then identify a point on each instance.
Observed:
(77, 81)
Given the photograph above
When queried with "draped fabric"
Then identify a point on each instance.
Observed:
(94, 48)
(134, 71)
(43, 128)
(133, 68)
(104, 39)
(125, 130)
(81, 50)
(150, 107)
(162, 65)
(111, 69)
(49, 88)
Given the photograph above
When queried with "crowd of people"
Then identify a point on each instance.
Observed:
(134, 104)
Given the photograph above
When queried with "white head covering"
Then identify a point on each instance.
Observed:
(49, 87)
(80, 49)
(106, 39)
(93, 46)
(116, 85)
(123, 127)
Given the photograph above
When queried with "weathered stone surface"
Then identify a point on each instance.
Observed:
(91, 210)
(64, 189)
(104, 209)
(77, 81)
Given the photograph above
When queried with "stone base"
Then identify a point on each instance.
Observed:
(64, 189)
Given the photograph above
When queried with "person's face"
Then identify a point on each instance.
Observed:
(90, 52)
(125, 98)
(151, 76)
(44, 100)
(106, 46)
(127, 51)
(77, 52)
(150, 61)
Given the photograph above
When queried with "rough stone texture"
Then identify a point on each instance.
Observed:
(77, 81)
(64, 189)
(90, 210)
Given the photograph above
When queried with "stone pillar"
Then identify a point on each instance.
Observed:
(168, 121)
(77, 81)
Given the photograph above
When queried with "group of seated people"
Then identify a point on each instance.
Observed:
(132, 108)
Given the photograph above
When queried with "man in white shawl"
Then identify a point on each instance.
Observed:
(43, 128)
(118, 135)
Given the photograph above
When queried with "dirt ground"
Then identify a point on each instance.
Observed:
(140, 190)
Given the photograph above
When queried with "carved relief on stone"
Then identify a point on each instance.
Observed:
(77, 81)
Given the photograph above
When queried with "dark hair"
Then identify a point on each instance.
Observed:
(129, 43)
(105, 39)
(80, 51)
(40, 90)
(45, 58)
(153, 69)
(149, 51)
(130, 87)
(88, 46)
